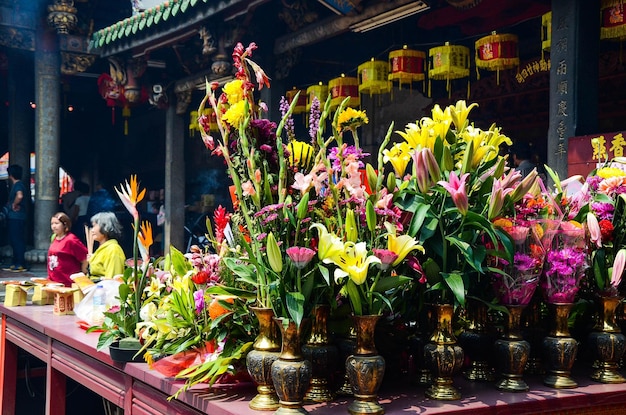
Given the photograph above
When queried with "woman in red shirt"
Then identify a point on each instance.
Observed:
(67, 255)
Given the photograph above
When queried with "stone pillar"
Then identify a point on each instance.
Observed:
(174, 231)
(21, 131)
(47, 135)
(573, 76)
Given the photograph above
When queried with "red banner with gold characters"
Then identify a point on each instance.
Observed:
(584, 153)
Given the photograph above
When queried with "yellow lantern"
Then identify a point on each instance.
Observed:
(319, 91)
(341, 88)
(406, 66)
(374, 77)
(448, 62)
(300, 106)
(497, 53)
(546, 33)
(193, 121)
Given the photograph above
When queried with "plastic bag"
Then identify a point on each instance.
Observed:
(85, 310)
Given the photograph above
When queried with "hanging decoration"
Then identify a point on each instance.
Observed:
(374, 77)
(546, 33)
(613, 25)
(120, 87)
(300, 106)
(496, 53)
(407, 66)
(342, 87)
(319, 91)
(448, 62)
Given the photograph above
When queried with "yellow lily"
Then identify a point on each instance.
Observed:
(354, 263)
(399, 156)
(459, 113)
(419, 136)
(401, 246)
(328, 246)
(130, 195)
(441, 120)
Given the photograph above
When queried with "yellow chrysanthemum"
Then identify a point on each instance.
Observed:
(234, 91)
(235, 114)
(350, 119)
(608, 172)
(503, 223)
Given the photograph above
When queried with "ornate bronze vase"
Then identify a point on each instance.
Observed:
(607, 341)
(443, 356)
(559, 349)
(265, 351)
(365, 368)
(477, 343)
(512, 353)
(291, 372)
(322, 354)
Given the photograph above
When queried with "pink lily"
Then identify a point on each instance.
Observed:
(426, 169)
(456, 187)
(595, 235)
(618, 267)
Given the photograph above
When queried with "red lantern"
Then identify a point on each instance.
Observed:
(496, 53)
(300, 106)
(406, 66)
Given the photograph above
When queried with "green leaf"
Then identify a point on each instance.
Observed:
(388, 283)
(370, 216)
(295, 306)
(467, 251)
(325, 273)
(179, 262)
(454, 280)
(303, 206)
(419, 215)
(600, 270)
(355, 298)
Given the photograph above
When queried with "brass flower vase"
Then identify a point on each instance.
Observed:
(322, 354)
(291, 372)
(559, 349)
(477, 343)
(512, 353)
(443, 356)
(365, 368)
(607, 341)
(265, 351)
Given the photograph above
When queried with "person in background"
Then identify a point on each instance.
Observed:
(67, 201)
(108, 260)
(521, 158)
(16, 218)
(80, 218)
(67, 255)
(100, 201)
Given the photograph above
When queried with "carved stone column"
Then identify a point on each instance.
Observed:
(573, 76)
(47, 135)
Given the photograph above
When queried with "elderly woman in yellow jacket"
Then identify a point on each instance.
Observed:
(108, 260)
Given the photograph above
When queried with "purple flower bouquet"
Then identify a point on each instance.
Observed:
(515, 283)
(566, 262)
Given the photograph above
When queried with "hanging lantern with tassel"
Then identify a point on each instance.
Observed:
(546, 33)
(407, 66)
(319, 91)
(342, 87)
(195, 126)
(496, 53)
(300, 106)
(374, 77)
(613, 25)
(448, 62)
